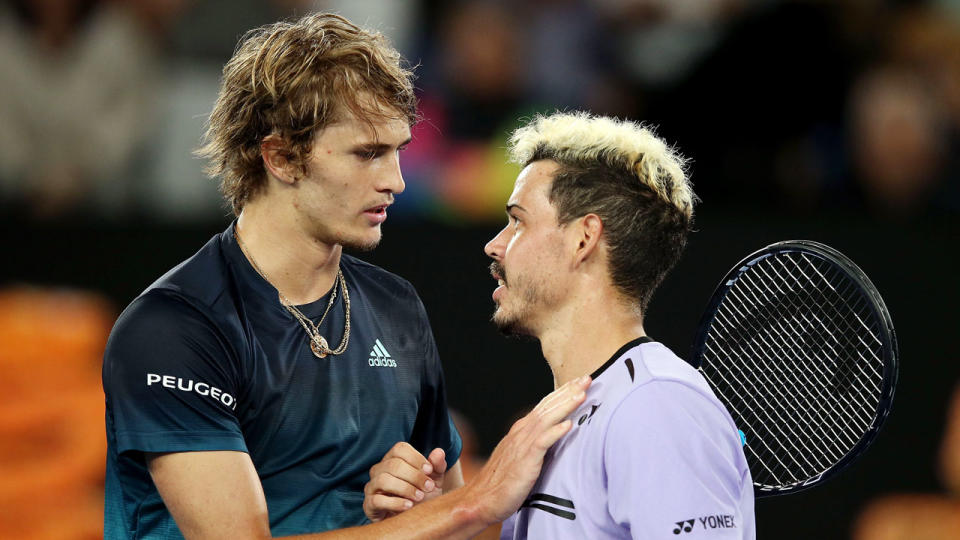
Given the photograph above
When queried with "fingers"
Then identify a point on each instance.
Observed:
(408, 454)
(571, 388)
(398, 482)
(380, 506)
(553, 434)
(401, 470)
(403, 463)
(562, 401)
(393, 486)
(554, 408)
(438, 460)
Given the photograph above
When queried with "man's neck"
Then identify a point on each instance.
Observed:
(584, 334)
(301, 267)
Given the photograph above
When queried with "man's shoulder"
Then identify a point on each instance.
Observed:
(203, 276)
(646, 363)
(667, 393)
(658, 364)
(192, 295)
(376, 280)
(189, 310)
(657, 374)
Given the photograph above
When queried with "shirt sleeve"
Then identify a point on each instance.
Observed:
(170, 380)
(673, 463)
(434, 426)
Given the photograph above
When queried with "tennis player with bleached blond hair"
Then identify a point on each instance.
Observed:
(598, 216)
(250, 389)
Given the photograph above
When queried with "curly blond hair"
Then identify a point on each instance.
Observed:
(292, 79)
(622, 172)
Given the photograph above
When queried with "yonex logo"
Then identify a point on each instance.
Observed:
(379, 357)
(588, 417)
(718, 521)
(684, 526)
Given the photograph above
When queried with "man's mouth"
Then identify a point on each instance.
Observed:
(496, 270)
(376, 214)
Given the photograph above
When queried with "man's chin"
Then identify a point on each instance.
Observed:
(509, 326)
(361, 244)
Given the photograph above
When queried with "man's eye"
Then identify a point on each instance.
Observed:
(367, 154)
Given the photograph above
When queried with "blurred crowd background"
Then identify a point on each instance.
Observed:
(801, 105)
(833, 120)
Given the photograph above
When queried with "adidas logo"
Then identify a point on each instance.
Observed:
(379, 357)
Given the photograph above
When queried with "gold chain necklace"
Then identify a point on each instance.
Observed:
(318, 344)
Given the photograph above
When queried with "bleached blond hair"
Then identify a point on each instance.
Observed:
(622, 172)
(582, 137)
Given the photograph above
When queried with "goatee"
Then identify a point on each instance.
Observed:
(509, 326)
(361, 246)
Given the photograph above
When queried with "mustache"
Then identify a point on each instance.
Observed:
(387, 202)
(497, 271)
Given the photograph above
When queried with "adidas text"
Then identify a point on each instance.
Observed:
(382, 362)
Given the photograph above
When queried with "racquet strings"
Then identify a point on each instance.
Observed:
(795, 351)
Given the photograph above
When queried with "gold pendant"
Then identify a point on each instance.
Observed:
(319, 347)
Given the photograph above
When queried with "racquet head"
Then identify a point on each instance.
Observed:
(798, 344)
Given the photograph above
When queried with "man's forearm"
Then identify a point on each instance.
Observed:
(455, 515)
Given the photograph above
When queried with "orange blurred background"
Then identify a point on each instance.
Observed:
(52, 443)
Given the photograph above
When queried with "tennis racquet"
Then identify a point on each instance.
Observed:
(798, 344)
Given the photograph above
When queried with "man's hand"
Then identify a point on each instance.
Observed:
(402, 479)
(508, 476)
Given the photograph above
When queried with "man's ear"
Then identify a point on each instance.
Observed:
(587, 235)
(276, 159)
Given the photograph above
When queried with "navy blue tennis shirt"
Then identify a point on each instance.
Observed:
(208, 359)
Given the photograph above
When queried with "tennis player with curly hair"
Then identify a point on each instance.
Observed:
(250, 389)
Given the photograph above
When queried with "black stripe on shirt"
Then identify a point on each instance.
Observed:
(550, 499)
(555, 511)
(640, 340)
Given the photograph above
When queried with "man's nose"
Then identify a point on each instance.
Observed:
(494, 248)
(392, 181)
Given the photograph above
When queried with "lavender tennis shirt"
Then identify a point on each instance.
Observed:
(652, 454)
